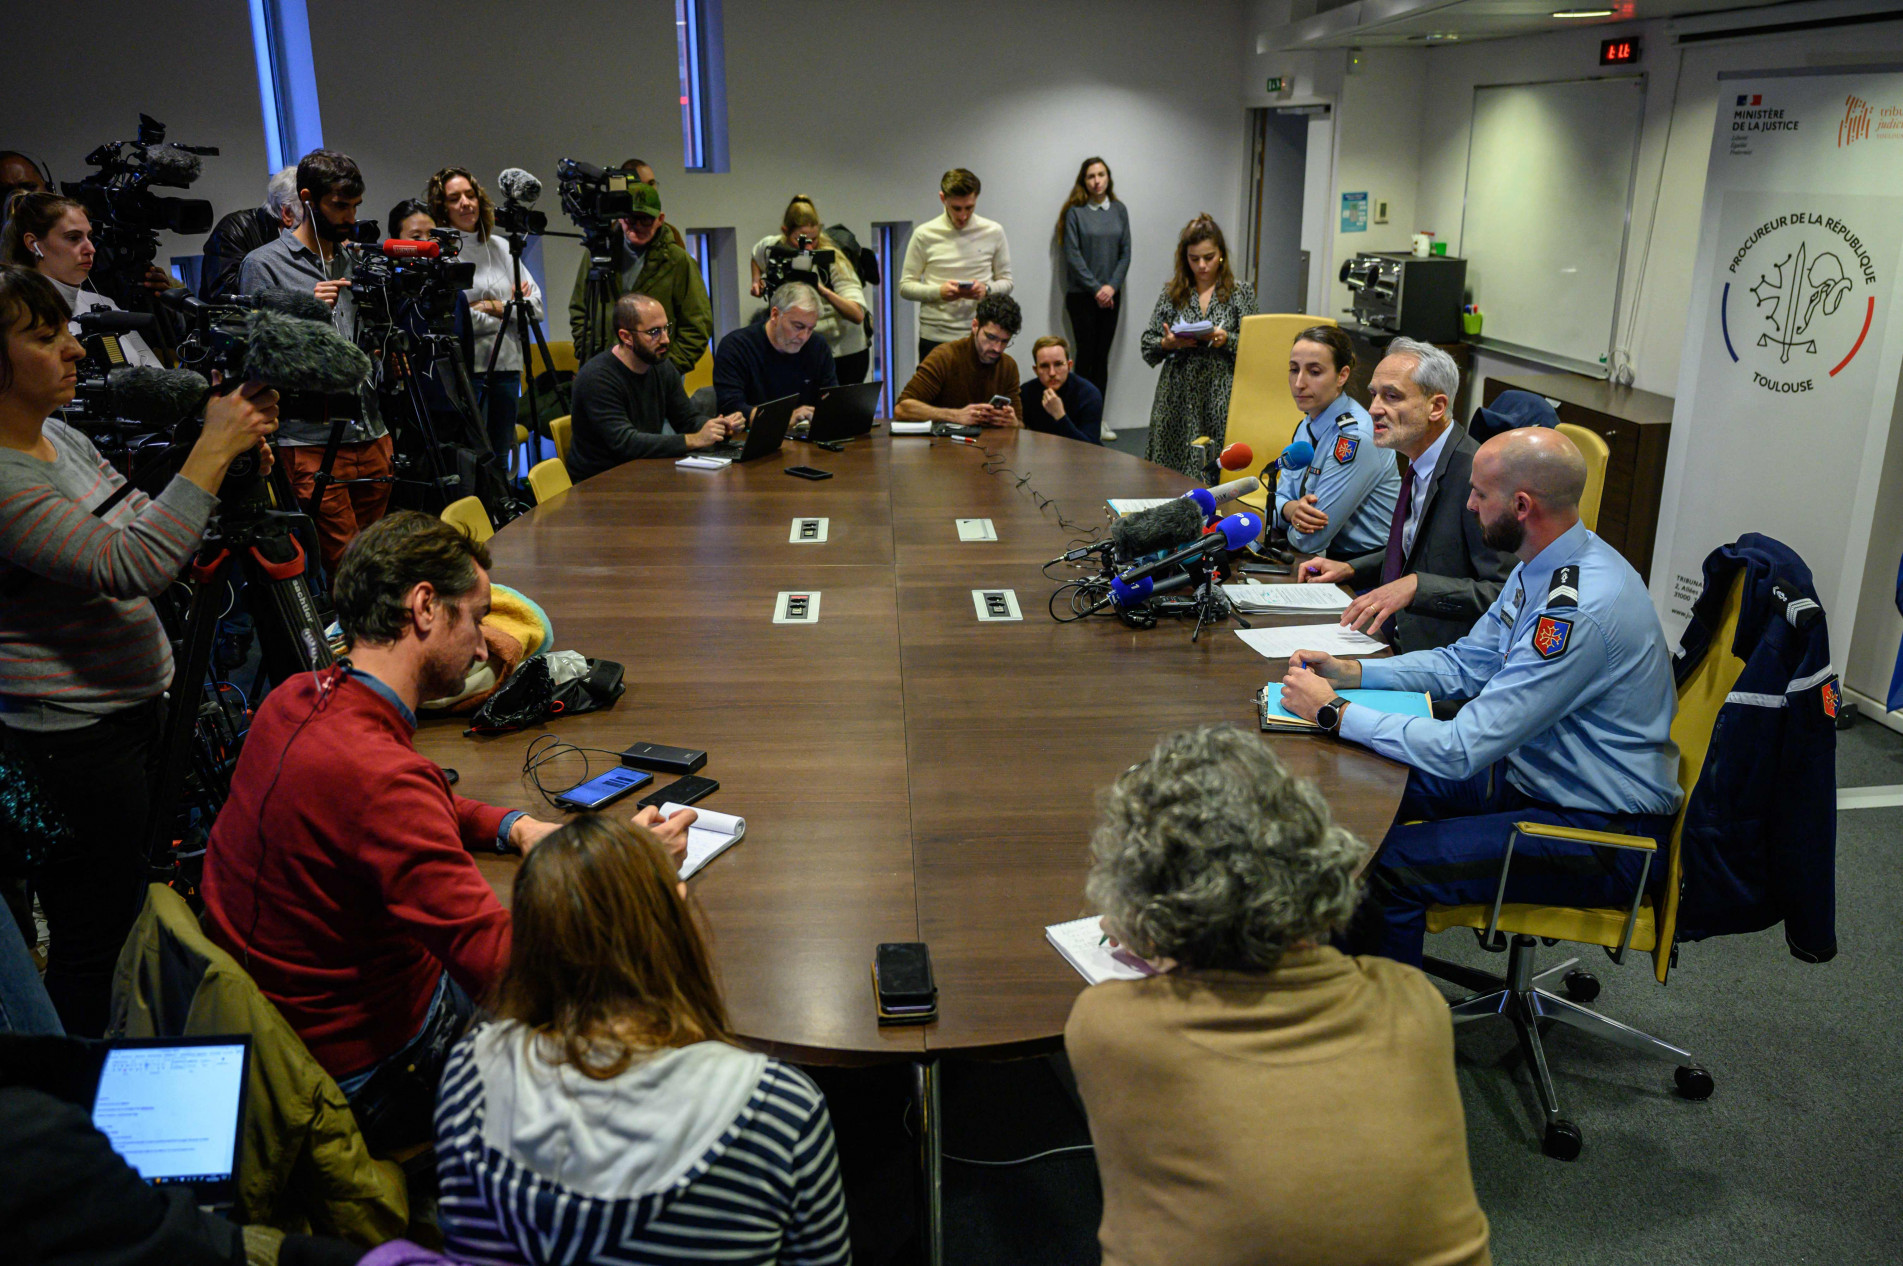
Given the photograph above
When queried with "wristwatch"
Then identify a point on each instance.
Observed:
(1328, 716)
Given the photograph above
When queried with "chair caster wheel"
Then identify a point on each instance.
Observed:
(1562, 1141)
(1693, 1082)
(1581, 986)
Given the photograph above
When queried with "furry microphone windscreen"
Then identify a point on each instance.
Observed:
(298, 303)
(154, 397)
(519, 186)
(173, 168)
(1176, 522)
(295, 355)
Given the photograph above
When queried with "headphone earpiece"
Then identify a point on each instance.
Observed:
(35, 248)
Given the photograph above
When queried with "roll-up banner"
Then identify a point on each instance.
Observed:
(1788, 387)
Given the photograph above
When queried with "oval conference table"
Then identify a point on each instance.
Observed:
(907, 772)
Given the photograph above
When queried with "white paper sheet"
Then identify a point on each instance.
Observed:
(1331, 638)
(1081, 943)
(1259, 597)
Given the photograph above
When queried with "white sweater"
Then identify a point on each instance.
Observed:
(940, 253)
(495, 279)
(133, 346)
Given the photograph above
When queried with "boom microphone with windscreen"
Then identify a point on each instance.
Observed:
(1233, 533)
(1163, 527)
(290, 354)
(518, 185)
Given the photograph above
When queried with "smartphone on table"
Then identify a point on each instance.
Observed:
(602, 790)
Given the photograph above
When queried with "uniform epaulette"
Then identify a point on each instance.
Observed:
(1564, 591)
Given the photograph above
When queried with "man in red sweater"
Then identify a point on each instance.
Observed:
(339, 871)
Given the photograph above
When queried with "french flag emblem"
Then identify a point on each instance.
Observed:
(1750, 99)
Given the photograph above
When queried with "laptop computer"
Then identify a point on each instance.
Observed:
(765, 433)
(173, 1108)
(844, 413)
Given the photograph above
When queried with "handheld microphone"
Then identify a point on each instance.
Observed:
(1237, 456)
(1161, 527)
(1207, 499)
(1233, 533)
(518, 185)
(1125, 594)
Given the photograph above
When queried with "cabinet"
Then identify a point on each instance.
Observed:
(1637, 427)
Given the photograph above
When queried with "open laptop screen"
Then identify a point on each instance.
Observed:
(172, 1107)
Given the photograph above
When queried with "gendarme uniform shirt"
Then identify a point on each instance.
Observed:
(1568, 678)
(1355, 483)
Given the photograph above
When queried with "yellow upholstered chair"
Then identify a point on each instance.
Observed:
(561, 352)
(701, 375)
(562, 430)
(467, 513)
(1262, 413)
(1593, 447)
(1648, 925)
(549, 479)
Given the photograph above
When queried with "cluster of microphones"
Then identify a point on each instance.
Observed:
(1176, 545)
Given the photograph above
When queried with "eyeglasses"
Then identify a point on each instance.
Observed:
(993, 340)
(657, 331)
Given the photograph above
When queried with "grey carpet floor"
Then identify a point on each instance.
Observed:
(1797, 1158)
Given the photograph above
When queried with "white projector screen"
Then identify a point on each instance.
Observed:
(1549, 190)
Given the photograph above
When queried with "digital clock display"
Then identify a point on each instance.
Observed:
(1619, 52)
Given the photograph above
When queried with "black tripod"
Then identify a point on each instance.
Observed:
(517, 324)
(262, 544)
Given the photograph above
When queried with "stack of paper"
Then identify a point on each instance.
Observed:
(1332, 639)
(1408, 703)
(711, 835)
(1287, 599)
(702, 462)
(1121, 506)
(1081, 943)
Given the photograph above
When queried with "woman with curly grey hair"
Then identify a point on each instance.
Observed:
(1264, 1098)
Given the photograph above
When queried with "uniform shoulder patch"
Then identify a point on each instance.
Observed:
(1833, 697)
(1564, 591)
(1345, 447)
(1551, 636)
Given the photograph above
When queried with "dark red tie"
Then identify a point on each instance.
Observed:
(1396, 561)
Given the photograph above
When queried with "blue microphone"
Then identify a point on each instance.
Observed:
(1233, 533)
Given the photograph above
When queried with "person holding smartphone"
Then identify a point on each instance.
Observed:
(970, 382)
(84, 660)
(953, 262)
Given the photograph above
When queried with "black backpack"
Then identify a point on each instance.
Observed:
(864, 261)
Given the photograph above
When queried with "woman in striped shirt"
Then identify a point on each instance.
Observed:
(83, 657)
(609, 1115)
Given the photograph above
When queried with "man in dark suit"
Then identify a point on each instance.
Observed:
(1437, 576)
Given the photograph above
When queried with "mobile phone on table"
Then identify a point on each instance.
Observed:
(680, 791)
(902, 983)
(808, 472)
(603, 789)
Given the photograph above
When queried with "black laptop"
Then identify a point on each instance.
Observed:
(173, 1108)
(765, 433)
(844, 413)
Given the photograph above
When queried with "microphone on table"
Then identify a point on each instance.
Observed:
(1138, 584)
(1237, 456)
(1207, 499)
(1161, 527)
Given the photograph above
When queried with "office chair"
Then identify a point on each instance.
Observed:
(549, 478)
(562, 431)
(701, 375)
(1649, 925)
(1592, 446)
(467, 513)
(1262, 413)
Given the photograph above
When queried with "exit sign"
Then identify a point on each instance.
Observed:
(1276, 83)
(1619, 52)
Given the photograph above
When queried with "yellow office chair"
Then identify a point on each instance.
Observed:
(1593, 448)
(560, 351)
(467, 513)
(1648, 925)
(1262, 413)
(701, 375)
(549, 479)
(562, 430)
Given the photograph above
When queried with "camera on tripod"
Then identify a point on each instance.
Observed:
(127, 216)
(514, 218)
(424, 277)
(594, 198)
(784, 264)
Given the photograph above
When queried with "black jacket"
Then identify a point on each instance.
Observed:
(1459, 575)
(1760, 840)
(232, 238)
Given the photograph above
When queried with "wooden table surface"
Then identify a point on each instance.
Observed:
(906, 772)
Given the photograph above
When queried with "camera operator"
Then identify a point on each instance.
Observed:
(83, 657)
(646, 261)
(457, 198)
(306, 258)
(842, 321)
(53, 236)
(242, 232)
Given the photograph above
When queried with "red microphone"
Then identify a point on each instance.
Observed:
(1237, 456)
(406, 248)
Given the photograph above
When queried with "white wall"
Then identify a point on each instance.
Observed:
(79, 73)
(860, 106)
